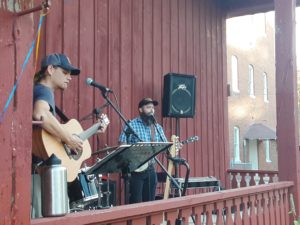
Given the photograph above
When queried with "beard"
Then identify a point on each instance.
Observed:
(147, 119)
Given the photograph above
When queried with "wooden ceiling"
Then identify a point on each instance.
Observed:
(243, 7)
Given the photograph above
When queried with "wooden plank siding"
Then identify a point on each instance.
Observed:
(129, 46)
(6, 163)
(15, 128)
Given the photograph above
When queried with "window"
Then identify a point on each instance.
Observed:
(251, 81)
(266, 97)
(267, 149)
(236, 144)
(245, 158)
(234, 74)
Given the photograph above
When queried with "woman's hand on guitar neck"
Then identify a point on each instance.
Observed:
(104, 121)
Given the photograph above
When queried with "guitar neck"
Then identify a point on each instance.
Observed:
(170, 167)
(89, 132)
(189, 140)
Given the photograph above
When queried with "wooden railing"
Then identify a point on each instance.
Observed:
(246, 178)
(264, 205)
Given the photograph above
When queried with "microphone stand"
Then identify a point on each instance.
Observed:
(95, 111)
(104, 94)
(129, 128)
(156, 128)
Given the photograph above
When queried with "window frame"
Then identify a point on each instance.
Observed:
(251, 84)
(267, 151)
(236, 144)
(234, 74)
(266, 88)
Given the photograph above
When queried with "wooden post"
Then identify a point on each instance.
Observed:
(286, 96)
(15, 129)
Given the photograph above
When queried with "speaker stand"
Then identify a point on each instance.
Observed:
(177, 132)
(177, 161)
(177, 126)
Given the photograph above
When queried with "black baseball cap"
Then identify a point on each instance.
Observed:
(60, 60)
(146, 101)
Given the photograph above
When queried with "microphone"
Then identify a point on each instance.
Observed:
(151, 114)
(91, 82)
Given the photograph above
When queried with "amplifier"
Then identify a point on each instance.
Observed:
(198, 182)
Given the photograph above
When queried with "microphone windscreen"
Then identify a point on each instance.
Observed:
(151, 113)
(89, 81)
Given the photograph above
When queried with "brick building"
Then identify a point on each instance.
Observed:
(252, 102)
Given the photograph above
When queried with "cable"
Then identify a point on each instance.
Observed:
(21, 73)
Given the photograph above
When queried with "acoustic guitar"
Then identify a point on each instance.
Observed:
(44, 145)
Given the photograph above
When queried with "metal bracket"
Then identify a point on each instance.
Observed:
(45, 6)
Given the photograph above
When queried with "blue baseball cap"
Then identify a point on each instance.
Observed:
(60, 60)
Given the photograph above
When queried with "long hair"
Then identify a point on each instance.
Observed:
(39, 75)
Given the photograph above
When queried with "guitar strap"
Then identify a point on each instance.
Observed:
(61, 115)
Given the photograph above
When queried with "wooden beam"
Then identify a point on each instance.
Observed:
(286, 95)
(240, 7)
(236, 8)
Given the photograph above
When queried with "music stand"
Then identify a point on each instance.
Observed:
(127, 158)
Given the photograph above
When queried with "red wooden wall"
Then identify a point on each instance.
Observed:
(127, 45)
(15, 130)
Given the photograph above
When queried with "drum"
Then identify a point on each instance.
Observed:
(83, 192)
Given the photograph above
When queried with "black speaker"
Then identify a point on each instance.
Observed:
(179, 95)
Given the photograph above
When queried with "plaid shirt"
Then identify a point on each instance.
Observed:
(143, 131)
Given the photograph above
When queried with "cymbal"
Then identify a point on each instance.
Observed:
(103, 150)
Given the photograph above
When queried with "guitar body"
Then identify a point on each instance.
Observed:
(44, 145)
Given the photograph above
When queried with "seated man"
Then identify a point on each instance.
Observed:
(55, 74)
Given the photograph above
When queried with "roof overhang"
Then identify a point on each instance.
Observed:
(235, 8)
(260, 131)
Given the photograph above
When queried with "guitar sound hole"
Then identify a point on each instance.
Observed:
(75, 155)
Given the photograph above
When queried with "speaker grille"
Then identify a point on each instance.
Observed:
(182, 96)
(179, 95)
